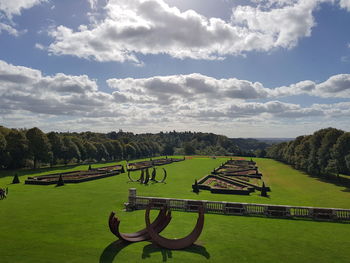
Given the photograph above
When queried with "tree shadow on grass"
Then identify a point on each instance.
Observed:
(23, 172)
(341, 181)
(112, 250)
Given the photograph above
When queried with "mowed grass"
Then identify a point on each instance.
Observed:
(69, 223)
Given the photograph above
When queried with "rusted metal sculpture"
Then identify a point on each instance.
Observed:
(158, 225)
(154, 173)
(145, 177)
(180, 243)
(3, 193)
(152, 230)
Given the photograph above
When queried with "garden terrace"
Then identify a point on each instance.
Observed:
(233, 208)
(71, 177)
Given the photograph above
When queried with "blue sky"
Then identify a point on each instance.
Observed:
(272, 68)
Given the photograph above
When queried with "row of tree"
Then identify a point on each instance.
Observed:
(325, 152)
(33, 148)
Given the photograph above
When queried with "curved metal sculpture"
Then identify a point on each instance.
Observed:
(142, 176)
(180, 243)
(132, 180)
(153, 178)
(3, 193)
(146, 180)
(162, 220)
(154, 173)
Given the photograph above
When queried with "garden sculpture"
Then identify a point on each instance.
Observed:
(180, 243)
(158, 225)
(3, 193)
(145, 177)
(152, 230)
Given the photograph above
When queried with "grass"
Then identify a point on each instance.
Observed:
(69, 223)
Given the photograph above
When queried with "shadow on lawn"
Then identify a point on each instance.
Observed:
(111, 251)
(341, 181)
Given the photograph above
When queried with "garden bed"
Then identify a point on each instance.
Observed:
(76, 176)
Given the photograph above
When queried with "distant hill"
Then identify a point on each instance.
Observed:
(253, 144)
(274, 140)
(250, 144)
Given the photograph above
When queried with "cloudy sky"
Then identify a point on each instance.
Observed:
(270, 68)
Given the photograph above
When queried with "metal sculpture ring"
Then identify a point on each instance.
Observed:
(158, 225)
(180, 243)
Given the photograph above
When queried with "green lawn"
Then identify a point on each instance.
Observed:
(69, 223)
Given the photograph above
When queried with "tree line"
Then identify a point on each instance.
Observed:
(35, 148)
(325, 152)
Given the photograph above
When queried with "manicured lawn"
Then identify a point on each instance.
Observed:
(69, 223)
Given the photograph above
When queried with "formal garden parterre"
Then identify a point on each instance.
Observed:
(235, 176)
(77, 176)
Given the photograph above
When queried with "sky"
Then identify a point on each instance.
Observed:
(270, 68)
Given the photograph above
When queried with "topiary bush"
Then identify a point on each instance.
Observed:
(195, 187)
(263, 190)
(15, 179)
(60, 181)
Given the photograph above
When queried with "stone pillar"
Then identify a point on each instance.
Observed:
(131, 205)
(132, 196)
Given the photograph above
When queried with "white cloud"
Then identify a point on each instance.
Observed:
(345, 4)
(179, 89)
(337, 86)
(9, 29)
(133, 27)
(9, 8)
(15, 7)
(180, 102)
(92, 3)
(39, 46)
(23, 88)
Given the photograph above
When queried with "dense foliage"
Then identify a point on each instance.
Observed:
(325, 152)
(33, 147)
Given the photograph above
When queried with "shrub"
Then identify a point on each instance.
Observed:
(15, 179)
(60, 181)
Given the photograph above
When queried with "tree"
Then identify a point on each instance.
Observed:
(341, 149)
(2, 150)
(332, 167)
(261, 153)
(130, 151)
(302, 152)
(39, 146)
(102, 152)
(347, 161)
(324, 152)
(71, 150)
(91, 151)
(17, 148)
(168, 149)
(110, 150)
(79, 143)
(189, 149)
(57, 146)
(117, 150)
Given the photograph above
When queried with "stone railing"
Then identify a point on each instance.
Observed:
(231, 208)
